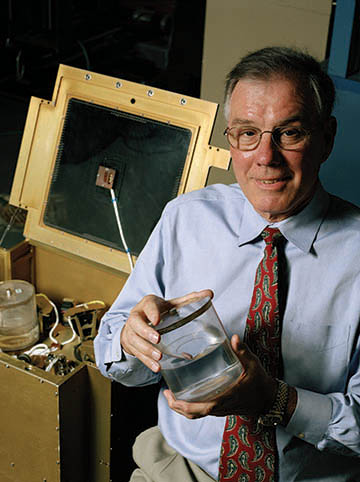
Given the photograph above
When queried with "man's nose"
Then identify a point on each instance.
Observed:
(267, 151)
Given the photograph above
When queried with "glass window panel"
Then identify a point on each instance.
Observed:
(148, 158)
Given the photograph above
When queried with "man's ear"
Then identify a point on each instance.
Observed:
(330, 129)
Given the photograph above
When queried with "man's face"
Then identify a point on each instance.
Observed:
(277, 182)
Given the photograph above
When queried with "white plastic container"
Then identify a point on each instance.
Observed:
(19, 326)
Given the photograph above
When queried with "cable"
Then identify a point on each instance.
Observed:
(74, 335)
(84, 51)
(43, 349)
(20, 68)
(120, 229)
(8, 227)
(54, 340)
(51, 363)
(39, 349)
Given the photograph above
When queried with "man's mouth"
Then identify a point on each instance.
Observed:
(273, 181)
(270, 181)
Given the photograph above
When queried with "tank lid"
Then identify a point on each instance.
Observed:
(14, 292)
(182, 314)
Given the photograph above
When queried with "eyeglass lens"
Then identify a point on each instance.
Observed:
(287, 137)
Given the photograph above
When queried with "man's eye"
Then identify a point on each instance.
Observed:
(291, 132)
(247, 133)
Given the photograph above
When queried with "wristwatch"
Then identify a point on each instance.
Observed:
(276, 413)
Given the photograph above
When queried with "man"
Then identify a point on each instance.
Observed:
(280, 129)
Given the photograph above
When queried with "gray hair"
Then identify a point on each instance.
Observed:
(304, 70)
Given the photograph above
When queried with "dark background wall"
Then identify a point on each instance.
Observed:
(154, 42)
(340, 174)
(158, 43)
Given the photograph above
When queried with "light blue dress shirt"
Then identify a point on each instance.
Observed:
(211, 239)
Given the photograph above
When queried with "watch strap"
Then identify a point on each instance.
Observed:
(277, 412)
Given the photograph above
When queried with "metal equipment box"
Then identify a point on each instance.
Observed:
(99, 142)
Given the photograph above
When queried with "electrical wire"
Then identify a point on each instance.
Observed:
(52, 338)
(39, 349)
(44, 349)
(20, 68)
(9, 225)
(74, 335)
(51, 363)
(114, 201)
(86, 56)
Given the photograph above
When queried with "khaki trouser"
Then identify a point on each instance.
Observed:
(158, 462)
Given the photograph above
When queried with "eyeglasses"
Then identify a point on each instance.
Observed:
(289, 138)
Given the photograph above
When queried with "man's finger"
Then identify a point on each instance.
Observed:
(191, 296)
(242, 351)
(191, 410)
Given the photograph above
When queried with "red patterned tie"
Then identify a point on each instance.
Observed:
(248, 450)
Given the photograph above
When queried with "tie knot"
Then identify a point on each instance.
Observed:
(271, 235)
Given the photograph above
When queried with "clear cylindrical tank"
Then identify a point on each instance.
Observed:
(19, 326)
(198, 362)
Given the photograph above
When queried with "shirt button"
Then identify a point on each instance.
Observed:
(301, 435)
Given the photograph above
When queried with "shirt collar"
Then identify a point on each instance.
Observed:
(300, 230)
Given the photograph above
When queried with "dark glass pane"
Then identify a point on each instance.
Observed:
(148, 158)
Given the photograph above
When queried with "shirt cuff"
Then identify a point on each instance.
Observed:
(311, 417)
(114, 352)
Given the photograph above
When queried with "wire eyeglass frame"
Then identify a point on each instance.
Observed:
(276, 134)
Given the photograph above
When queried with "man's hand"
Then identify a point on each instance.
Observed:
(252, 394)
(138, 336)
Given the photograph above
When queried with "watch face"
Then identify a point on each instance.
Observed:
(270, 420)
